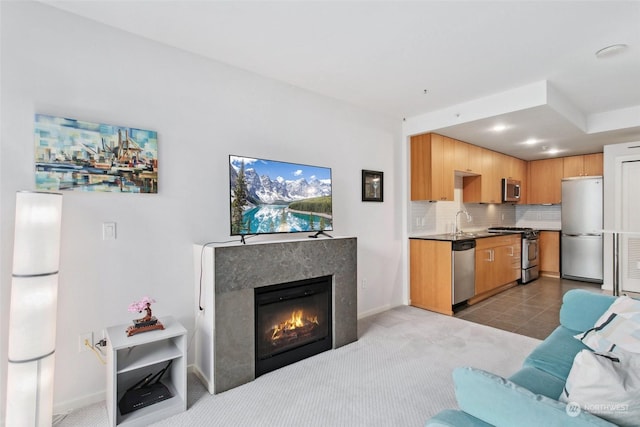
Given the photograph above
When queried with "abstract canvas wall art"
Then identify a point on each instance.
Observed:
(83, 156)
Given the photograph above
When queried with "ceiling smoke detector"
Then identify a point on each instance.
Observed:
(608, 51)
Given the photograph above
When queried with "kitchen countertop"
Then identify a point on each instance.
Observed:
(448, 237)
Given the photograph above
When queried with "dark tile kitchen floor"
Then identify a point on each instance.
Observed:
(531, 309)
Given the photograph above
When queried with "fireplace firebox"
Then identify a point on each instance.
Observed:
(292, 322)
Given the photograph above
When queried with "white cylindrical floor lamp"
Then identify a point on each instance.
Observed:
(32, 317)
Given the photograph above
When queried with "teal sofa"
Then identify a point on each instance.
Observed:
(530, 396)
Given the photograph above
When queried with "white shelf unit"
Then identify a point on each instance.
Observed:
(129, 359)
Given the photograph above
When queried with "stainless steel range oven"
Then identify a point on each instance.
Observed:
(530, 253)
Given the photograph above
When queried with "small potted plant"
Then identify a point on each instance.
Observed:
(146, 323)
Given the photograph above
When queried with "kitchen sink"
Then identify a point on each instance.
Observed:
(472, 234)
(463, 235)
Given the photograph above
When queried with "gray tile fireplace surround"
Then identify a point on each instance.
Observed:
(225, 340)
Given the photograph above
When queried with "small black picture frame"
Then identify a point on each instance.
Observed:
(372, 186)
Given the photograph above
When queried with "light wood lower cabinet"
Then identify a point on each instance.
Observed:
(430, 270)
(549, 247)
(497, 262)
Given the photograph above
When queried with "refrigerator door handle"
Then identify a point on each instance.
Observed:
(572, 235)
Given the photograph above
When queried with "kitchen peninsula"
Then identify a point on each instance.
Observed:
(431, 258)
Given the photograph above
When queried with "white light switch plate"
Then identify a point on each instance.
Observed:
(108, 231)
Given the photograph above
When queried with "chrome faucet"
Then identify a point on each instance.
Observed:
(458, 231)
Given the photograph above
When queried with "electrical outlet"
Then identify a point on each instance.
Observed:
(364, 283)
(88, 337)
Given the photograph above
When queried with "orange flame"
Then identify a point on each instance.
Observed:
(297, 320)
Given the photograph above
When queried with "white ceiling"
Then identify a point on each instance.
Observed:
(383, 55)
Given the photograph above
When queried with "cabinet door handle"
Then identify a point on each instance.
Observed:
(489, 252)
(512, 253)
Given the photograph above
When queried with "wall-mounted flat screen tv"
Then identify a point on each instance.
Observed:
(269, 197)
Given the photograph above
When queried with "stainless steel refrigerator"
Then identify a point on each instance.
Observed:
(581, 240)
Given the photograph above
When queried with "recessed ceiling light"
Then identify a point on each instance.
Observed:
(531, 141)
(611, 50)
(552, 151)
(499, 128)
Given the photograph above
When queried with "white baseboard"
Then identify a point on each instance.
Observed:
(201, 377)
(374, 311)
(69, 406)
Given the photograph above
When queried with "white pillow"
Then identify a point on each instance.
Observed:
(619, 326)
(606, 385)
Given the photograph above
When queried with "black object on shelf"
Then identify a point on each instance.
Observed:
(146, 392)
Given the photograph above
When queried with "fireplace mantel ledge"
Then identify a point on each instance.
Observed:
(250, 241)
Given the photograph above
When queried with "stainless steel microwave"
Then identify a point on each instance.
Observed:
(510, 190)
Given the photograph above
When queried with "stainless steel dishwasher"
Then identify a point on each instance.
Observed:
(464, 270)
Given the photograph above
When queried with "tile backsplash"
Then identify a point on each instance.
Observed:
(439, 217)
(539, 216)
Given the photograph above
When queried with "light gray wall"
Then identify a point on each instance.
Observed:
(57, 63)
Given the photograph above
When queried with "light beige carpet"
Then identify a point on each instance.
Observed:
(397, 374)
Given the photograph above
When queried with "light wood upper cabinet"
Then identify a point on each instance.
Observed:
(435, 158)
(572, 166)
(475, 159)
(545, 181)
(485, 188)
(517, 169)
(432, 163)
(468, 157)
(587, 165)
(492, 164)
(502, 164)
(461, 150)
(594, 164)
